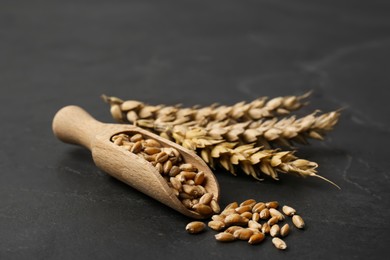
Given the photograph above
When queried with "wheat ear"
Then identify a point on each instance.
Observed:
(213, 136)
(268, 132)
(251, 159)
(263, 107)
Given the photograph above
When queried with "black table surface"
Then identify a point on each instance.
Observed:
(56, 204)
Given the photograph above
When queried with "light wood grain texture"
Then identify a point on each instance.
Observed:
(74, 125)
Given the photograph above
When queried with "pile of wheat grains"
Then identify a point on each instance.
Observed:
(251, 221)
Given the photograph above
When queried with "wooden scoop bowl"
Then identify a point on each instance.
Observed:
(74, 125)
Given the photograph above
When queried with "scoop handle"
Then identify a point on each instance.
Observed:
(74, 125)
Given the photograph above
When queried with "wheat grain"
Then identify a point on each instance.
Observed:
(279, 243)
(195, 227)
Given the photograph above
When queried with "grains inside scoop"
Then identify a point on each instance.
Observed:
(186, 181)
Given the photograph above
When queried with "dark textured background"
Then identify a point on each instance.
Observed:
(55, 204)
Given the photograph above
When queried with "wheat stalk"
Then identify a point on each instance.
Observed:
(251, 159)
(263, 107)
(222, 121)
(233, 137)
(267, 132)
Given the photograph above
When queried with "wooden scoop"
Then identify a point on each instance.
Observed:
(74, 125)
